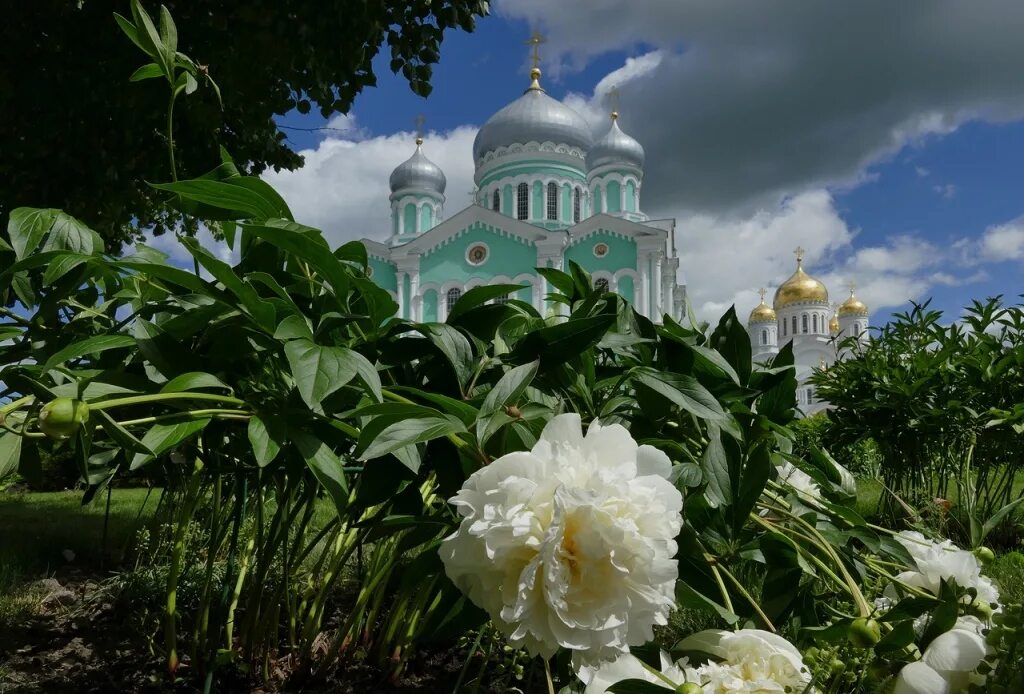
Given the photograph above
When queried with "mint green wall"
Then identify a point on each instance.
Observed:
(533, 168)
(426, 221)
(508, 256)
(614, 196)
(598, 208)
(430, 306)
(630, 196)
(625, 288)
(621, 253)
(525, 294)
(394, 221)
(565, 213)
(508, 200)
(383, 274)
(410, 218)
(538, 200)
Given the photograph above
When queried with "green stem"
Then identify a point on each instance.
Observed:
(753, 603)
(190, 414)
(160, 397)
(174, 572)
(547, 677)
(170, 133)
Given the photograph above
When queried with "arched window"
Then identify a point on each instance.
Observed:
(552, 200)
(794, 325)
(522, 201)
(453, 295)
(803, 322)
(810, 396)
(496, 201)
(576, 205)
(601, 284)
(503, 299)
(764, 337)
(814, 320)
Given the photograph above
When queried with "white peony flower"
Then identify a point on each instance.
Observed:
(938, 561)
(749, 660)
(948, 664)
(570, 544)
(629, 667)
(798, 480)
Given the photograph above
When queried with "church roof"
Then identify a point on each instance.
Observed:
(616, 147)
(533, 117)
(418, 173)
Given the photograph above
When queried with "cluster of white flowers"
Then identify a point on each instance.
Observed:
(938, 561)
(748, 660)
(798, 480)
(571, 544)
(948, 663)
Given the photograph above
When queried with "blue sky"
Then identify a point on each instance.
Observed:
(897, 162)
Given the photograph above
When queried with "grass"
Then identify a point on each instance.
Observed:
(38, 527)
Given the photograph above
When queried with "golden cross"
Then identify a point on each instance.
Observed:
(535, 40)
(852, 286)
(420, 120)
(799, 254)
(762, 291)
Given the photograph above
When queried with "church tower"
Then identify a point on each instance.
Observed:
(615, 170)
(417, 195)
(763, 329)
(853, 318)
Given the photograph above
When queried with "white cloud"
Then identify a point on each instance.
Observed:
(946, 190)
(1003, 242)
(343, 187)
(922, 171)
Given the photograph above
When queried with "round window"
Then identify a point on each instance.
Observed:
(600, 249)
(476, 254)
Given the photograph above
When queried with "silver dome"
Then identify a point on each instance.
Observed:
(616, 147)
(418, 173)
(533, 117)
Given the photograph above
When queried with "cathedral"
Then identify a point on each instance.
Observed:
(546, 193)
(800, 313)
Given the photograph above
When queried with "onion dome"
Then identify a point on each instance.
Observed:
(853, 307)
(418, 173)
(533, 117)
(800, 288)
(833, 325)
(616, 147)
(762, 313)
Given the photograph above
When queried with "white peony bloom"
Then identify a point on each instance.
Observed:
(571, 544)
(798, 480)
(749, 660)
(628, 667)
(938, 561)
(948, 664)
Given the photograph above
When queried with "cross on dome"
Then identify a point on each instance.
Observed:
(853, 287)
(799, 252)
(535, 40)
(762, 291)
(420, 120)
(613, 101)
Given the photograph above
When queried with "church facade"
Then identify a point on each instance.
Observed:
(546, 193)
(801, 314)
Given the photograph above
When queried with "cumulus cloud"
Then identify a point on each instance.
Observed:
(343, 187)
(749, 102)
(1003, 242)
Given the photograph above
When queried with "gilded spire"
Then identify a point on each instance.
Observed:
(535, 40)
(799, 253)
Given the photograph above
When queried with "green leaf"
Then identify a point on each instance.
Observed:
(69, 234)
(556, 344)
(687, 596)
(119, 435)
(92, 345)
(26, 228)
(319, 371)
(224, 195)
(325, 466)
(455, 347)
(505, 392)
(167, 273)
(129, 30)
(10, 453)
(715, 468)
(294, 327)
(480, 295)
(901, 636)
(162, 437)
(264, 446)
(411, 431)
(63, 265)
(557, 279)
(730, 338)
(306, 244)
(261, 311)
(193, 381)
(683, 391)
(168, 32)
(148, 37)
(146, 72)
(997, 517)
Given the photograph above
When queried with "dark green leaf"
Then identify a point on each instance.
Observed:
(411, 431)
(319, 371)
(148, 71)
(264, 446)
(455, 347)
(10, 453)
(193, 381)
(91, 345)
(479, 295)
(683, 391)
(325, 466)
(634, 686)
(26, 228)
(505, 393)
(119, 435)
(162, 437)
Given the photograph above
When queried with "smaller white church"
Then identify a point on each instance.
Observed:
(801, 313)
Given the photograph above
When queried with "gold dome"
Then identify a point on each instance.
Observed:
(833, 325)
(762, 312)
(800, 287)
(853, 306)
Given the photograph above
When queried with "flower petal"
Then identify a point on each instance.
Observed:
(919, 678)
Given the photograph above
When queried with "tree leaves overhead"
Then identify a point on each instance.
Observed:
(269, 57)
